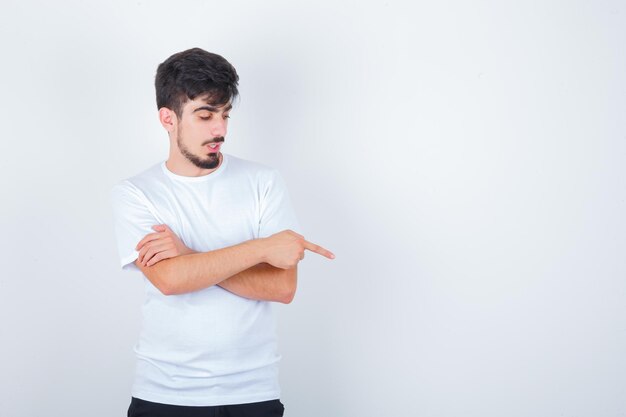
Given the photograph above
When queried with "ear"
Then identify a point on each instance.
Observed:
(168, 119)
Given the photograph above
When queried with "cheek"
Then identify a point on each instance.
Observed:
(194, 133)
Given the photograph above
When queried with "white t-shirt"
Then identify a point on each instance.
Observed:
(208, 347)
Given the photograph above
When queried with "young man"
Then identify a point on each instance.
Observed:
(213, 236)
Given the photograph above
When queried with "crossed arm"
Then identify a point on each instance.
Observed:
(260, 269)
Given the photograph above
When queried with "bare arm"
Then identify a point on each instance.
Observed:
(195, 271)
(175, 269)
(264, 282)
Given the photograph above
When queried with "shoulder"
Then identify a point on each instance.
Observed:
(136, 185)
(240, 164)
(251, 169)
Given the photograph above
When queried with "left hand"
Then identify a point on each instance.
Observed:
(163, 244)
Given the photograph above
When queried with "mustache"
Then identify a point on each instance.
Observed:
(214, 140)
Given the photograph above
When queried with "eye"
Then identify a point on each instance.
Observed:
(226, 116)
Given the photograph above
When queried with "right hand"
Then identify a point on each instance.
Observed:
(285, 249)
(163, 244)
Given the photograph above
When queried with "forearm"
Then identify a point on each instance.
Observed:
(196, 271)
(264, 282)
(167, 263)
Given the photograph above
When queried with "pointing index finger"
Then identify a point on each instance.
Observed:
(318, 249)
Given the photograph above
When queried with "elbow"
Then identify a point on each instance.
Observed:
(166, 289)
(164, 283)
(164, 286)
(287, 296)
(289, 290)
(159, 277)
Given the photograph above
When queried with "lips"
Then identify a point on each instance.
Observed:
(214, 147)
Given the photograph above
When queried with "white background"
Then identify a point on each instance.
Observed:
(464, 160)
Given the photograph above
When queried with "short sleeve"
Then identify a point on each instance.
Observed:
(133, 219)
(277, 213)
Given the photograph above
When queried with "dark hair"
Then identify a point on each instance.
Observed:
(195, 73)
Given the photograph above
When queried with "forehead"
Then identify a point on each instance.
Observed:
(203, 103)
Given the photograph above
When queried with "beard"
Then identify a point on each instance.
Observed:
(210, 161)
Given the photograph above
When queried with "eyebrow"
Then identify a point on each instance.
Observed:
(213, 109)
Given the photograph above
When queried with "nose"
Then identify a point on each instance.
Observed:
(219, 127)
